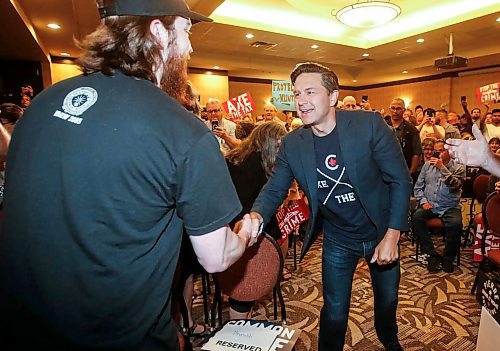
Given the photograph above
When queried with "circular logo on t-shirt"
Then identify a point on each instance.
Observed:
(331, 162)
(490, 297)
(79, 100)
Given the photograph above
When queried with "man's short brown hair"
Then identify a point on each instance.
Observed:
(328, 78)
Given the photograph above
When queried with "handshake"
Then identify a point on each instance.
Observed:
(251, 226)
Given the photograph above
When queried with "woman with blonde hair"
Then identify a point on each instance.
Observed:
(250, 164)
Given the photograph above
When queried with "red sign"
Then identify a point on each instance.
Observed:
(289, 217)
(239, 106)
(490, 92)
(492, 242)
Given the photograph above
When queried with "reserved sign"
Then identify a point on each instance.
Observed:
(252, 335)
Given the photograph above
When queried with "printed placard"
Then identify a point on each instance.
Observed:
(283, 97)
(492, 241)
(239, 106)
(488, 93)
(253, 335)
(289, 217)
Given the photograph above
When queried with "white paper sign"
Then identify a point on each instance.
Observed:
(251, 335)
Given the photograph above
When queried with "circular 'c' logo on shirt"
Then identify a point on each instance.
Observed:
(331, 162)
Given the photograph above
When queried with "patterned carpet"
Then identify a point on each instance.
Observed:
(436, 311)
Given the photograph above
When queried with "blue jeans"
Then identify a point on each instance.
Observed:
(452, 221)
(339, 263)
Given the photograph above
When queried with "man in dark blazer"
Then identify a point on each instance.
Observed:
(351, 168)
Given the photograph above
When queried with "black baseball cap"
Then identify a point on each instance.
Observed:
(150, 8)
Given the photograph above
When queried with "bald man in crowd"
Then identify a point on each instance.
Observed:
(349, 103)
(271, 114)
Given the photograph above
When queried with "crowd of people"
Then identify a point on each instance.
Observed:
(113, 174)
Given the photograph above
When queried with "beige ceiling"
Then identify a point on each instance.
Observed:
(476, 36)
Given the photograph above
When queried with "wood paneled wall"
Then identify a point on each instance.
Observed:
(439, 93)
(210, 86)
(261, 93)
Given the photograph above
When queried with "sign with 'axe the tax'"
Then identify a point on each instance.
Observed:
(239, 106)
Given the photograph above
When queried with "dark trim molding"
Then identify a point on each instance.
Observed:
(442, 75)
(250, 80)
(215, 72)
(452, 74)
(62, 59)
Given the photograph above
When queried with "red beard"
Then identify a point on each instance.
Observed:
(174, 79)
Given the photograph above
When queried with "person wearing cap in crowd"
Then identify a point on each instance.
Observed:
(105, 169)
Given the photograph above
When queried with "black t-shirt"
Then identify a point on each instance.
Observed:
(409, 140)
(103, 174)
(344, 217)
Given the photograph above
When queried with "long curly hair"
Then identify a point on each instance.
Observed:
(125, 43)
(265, 138)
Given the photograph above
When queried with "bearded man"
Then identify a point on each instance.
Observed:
(104, 172)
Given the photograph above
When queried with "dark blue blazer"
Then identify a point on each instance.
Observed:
(374, 163)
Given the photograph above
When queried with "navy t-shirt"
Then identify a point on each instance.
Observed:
(104, 172)
(343, 215)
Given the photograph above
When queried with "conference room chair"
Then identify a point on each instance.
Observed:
(253, 276)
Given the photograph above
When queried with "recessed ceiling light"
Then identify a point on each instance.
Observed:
(498, 19)
(420, 40)
(249, 36)
(53, 26)
(215, 67)
(354, 80)
(65, 54)
(314, 46)
(404, 72)
(365, 54)
(208, 72)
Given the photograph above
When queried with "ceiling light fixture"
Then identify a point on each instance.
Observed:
(65, 54)
(368, 14)
(365, 54)
(421, 40)
(249, 36)
(54, 26)
(354, 80)
(216, 67)
(498, 19)
(404, 72)
(314, 46)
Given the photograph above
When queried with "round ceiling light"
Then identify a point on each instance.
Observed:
(368, 14)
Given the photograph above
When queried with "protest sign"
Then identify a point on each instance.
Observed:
(289, 217)
(239, 106)
(492, 241)
(488, 93)
(283, 97)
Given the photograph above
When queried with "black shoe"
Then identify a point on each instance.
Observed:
(434, 262)
(393, 346)
(448, 266)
